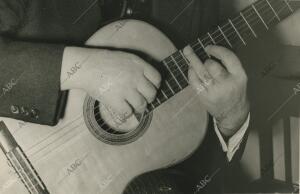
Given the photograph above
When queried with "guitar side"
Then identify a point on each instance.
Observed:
(70, 159)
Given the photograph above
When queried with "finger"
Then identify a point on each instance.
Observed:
(195, 82)
(227, 57)
(153, 76)
(147, 90)
(119, 109)
(197, 65)
(215, 69)
(137, 101)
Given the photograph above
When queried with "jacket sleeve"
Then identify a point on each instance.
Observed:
(30, 81)
(29, 72)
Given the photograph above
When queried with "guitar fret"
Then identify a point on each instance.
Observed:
(179, 67)
(281, 9)
(202, 45)
(152, 105)
(225, 37)
(19, 169)
(31, 172)
(200, 42)
(273, 10)
(147, 110)
(33, 188)
(170, 87)
(185, 59)
(159, 102)
(172, 74)
(23, 168)
(253, 20)
(211, 38)
(289, 6)
(254, 34)
(239, 35)
(163, 93)
(260, 16)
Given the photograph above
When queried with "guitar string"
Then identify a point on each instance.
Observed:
(177, 71)
(178, 81)
(41, 142)
(232, 33)
(47, 154)
(74, 127)
(184, 65)
(207, 37)
(222, 37)
(242, 21)
(98, 106)
(230, 26)
(203, 54)
(245, 25)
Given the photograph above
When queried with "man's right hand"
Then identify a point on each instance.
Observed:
(119, 80)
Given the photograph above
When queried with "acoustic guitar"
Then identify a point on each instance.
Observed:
(89, 152)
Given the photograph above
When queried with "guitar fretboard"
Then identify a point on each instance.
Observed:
(234, 33)
(20, 163)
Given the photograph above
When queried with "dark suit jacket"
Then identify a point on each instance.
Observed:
(191, 176)
(31, 49)
(33, 36)
(202, 173)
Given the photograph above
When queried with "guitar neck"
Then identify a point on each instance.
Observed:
(237, 31)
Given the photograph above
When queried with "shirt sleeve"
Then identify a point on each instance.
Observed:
(234, 142)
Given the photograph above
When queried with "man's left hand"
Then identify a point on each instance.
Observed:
(221, 85)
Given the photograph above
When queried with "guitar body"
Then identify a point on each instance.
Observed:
(70, 159)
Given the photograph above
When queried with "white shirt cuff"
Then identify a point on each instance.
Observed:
(234, 141)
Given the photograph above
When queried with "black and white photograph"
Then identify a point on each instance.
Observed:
(149, 96)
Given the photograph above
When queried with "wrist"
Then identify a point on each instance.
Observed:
(229, 125)
(72, 67)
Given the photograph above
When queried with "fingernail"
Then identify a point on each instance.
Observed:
(187, 49)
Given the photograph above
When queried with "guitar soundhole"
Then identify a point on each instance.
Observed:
(104, 132)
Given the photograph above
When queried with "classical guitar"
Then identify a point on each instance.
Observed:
(88, 152)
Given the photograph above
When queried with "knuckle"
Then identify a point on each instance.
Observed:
(186, 51)
(215, 69)
(141, 107)
(210, 63)
(137, 60)
(140, 102)
(244, 77)
(152, 95)
(227, 56)
(127, 112)
(191, 75)
(158, 80)
(159, 77)
(213, 49)
(198, 88)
